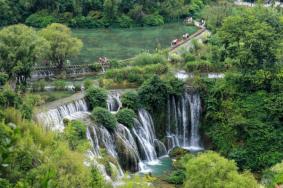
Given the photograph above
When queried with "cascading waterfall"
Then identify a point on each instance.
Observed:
(113, 102)
(183, 121)
(53, 119)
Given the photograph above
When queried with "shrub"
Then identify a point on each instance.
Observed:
(153, 20)
(3, 78)
(177, 177)
(40, 19)
(211, 170)
(175, 86)
(175, 58)
(77, 87)
(96, 97)
(201, 66)
(153, 93)
(60, 85)
(86, 22)
(88, 83)
(126, 117)
(96, 67)
(125, 21)
(147, 58)
(130, 99)
(75, 132)
(178, 152)
(102, 116)
(39, 85)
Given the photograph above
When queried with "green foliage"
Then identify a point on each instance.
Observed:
(96, 97)
(32, 157)
(147, 59)
(96, 67)
(126, 117)
(39, 85)
(211, 170)
(200, 66)
(125, 21)
(63, 44)
(136, 74)
(88, 83)
(273, 176)
(177, 177)
(153, 20)
(153, 93)
(178, 152)
(60, 85)
(20, 48)
(75, 133)
(175, 86)
(102, 116)
(86, 22)
(96, 13)
(40, 19)
(3, 78)
(130, 99)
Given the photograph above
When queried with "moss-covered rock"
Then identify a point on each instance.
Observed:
(178, 152)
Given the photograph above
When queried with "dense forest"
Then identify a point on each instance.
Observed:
(224, 131)
(96, 13)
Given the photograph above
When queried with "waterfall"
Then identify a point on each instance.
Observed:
(183, 121)
(53, 118)
(113, 101)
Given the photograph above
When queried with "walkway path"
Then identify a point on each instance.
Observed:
(186, 45)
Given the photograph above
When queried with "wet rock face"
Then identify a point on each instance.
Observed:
(128, 158)
(159, 148)
(178, 152)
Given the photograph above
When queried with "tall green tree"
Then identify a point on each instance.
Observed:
(20, 49)
(210, 170)
(63, 44)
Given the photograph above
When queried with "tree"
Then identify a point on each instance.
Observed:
(210, 170)
(126, 117)
(110, 8)
(153, 93)
(102, 116)
(250, 42)
(63, 44)
(20, 49)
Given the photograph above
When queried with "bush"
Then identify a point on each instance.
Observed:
(126, 117)
(3, 78)
(178, 152)
(136, 74)
(147, 58)
(153, 93)
(60, 85)
(88, 83)
(177, 177)
(86, 22)
(273, 176)
(153, 20)
(77, 87)
(211, 170)
(40, 19)
(200, 66)
(96, 97)
(75, 133)
(39, 85)
(130, 99)
(102, 116)
(96, 67)
(125, 21)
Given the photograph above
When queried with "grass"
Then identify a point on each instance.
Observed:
(125, 43)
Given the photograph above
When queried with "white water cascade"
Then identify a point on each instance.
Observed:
(113, 102)
(183, 121)
(53, 118)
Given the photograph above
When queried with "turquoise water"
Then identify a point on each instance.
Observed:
(158, 167)
(125, 43)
